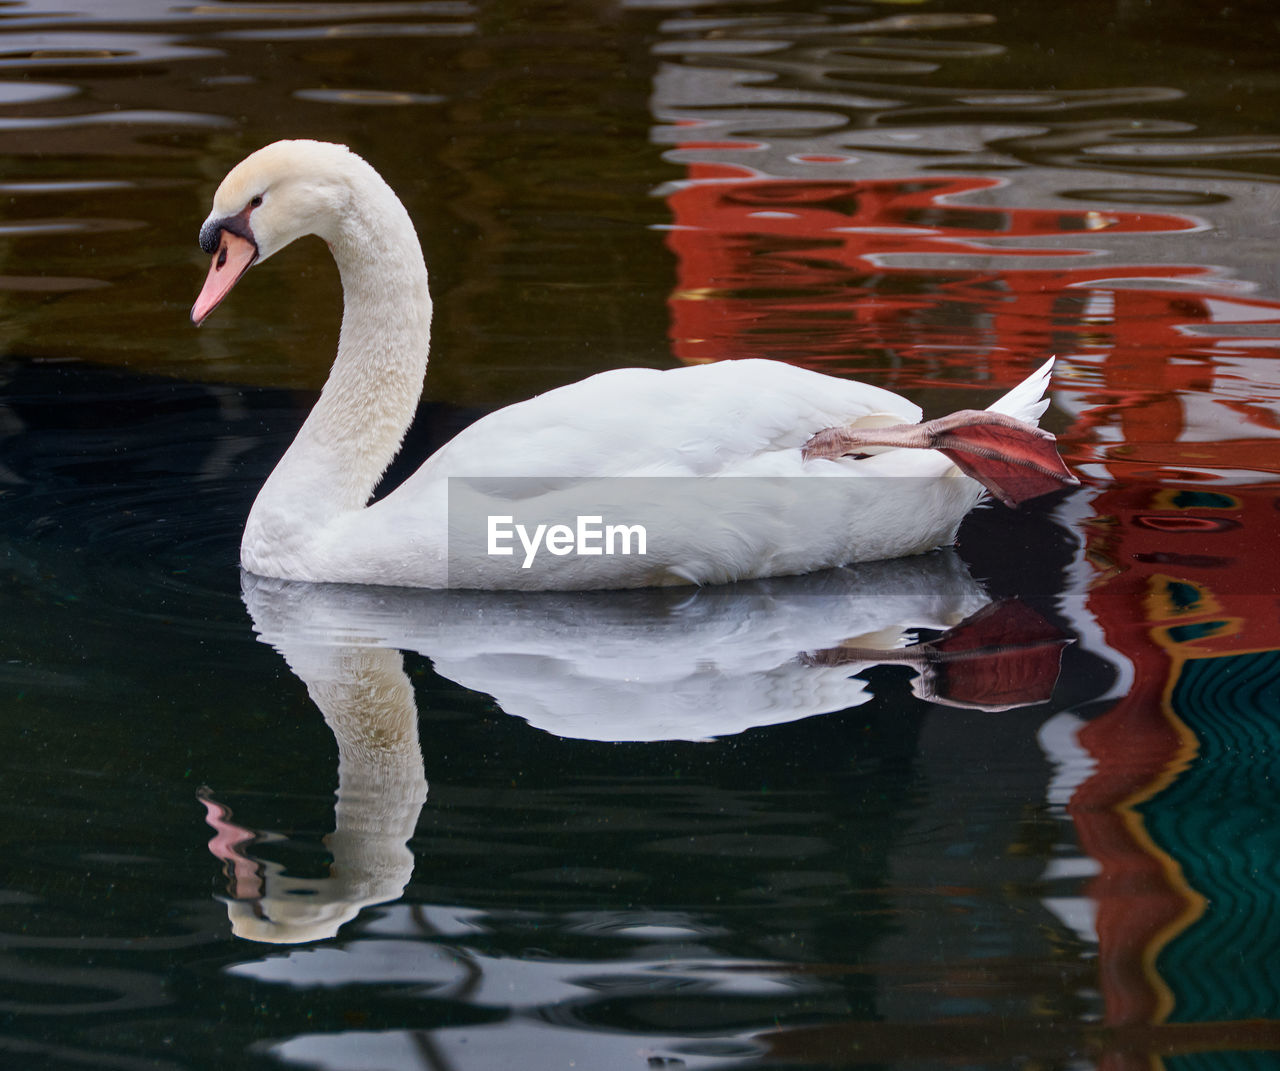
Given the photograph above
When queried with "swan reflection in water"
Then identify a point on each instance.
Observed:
(647, 665)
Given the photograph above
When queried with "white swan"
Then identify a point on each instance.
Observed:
(568, 450)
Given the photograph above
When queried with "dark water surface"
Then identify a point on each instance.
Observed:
(719, 829)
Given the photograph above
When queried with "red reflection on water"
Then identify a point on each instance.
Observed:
(911, 284)
(1182, 583)
(904, 283)
(863, 276)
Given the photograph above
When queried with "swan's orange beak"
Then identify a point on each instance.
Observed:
(234, 257)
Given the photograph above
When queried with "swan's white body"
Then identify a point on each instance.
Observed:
(312, 521)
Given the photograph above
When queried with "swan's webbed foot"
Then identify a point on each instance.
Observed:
(1012, 459)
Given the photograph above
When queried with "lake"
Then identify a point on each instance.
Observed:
(1012, 803)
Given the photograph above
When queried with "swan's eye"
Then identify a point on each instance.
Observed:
(257, 200)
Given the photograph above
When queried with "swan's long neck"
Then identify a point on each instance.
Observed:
(369, 400)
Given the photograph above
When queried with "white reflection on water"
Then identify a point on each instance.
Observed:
(76, 48)
(367, 701)
(618, 666)
(30, 92)
(654, 664)
(120, 118)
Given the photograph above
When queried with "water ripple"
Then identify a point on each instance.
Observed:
(49, 283)
(353, 30)
(749, 74)
(64, 186)
(27, 227)
(161, 14)
(81, 992)
(31, 92)
(133, 118)
(72, 49)
(375, 97)
(328, 12)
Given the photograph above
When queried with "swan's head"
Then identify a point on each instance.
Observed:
(280, 193)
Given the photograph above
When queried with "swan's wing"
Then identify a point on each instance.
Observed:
(701, 420)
